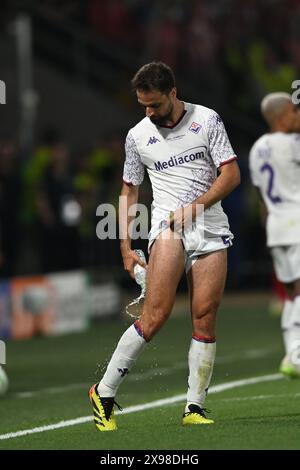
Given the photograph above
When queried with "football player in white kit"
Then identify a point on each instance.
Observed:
(186, 152)
(275, 170)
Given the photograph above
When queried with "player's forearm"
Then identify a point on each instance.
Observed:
(226, 182)
(129, 197)
(216, 193)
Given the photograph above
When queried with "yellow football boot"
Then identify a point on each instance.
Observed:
(195, 415)
(288, 369)
(103, 408)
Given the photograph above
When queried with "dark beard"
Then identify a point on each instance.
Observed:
(158, 121)
(162, 120)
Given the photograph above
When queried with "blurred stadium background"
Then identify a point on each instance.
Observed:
(67, 67)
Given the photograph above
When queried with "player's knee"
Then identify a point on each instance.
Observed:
(149, 329)
(152, 322)
(149, 333)
(206, 310)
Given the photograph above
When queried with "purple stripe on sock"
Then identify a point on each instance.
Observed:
(138, 328)
(204, 339)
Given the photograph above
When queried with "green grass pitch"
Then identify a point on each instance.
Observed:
(50, 378)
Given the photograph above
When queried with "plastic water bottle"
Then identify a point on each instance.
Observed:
(140, 271)
(133, 309)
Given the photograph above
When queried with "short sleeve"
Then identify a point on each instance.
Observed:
(219, 145)
(133, 167)
(252, 168)
(295, 147)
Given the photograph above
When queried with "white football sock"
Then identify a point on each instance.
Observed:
(201, 363)
(126, 353)
(286, 321)
(294, 329)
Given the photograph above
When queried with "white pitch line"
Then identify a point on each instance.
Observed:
(146, 406)
(50, 390)
(261, 397)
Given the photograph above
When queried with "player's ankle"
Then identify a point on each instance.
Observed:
(105, 391)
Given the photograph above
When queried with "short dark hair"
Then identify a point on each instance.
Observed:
(154, 76)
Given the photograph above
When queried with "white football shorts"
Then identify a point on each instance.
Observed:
(196, 241)
(286, 260)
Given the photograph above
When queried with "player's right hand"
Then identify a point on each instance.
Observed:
(130, 259)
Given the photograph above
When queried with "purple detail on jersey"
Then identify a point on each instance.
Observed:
(265, 152)
(153, 140)
(195, 127)
(267, 168)
(181, 159)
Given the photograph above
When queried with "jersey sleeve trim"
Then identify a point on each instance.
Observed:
(127, 183)
(231, 159)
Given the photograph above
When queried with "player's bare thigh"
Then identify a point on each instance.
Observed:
(165, 268)
(206, 280)
(296, 290)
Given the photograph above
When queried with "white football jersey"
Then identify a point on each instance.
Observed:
(181, 161)
(275, 170)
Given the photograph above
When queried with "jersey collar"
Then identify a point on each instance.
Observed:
(184, 111)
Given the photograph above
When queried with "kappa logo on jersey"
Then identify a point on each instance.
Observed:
(195, 127)
(152, 140)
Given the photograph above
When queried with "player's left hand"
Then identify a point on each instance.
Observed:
(182, 218)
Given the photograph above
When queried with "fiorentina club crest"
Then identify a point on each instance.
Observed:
(195, 127)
